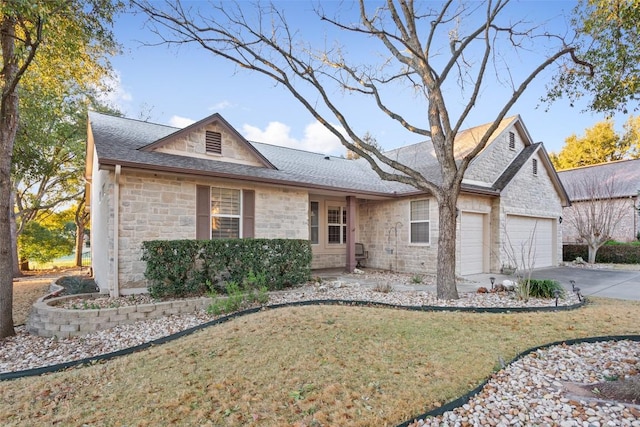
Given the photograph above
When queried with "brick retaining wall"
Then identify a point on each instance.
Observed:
(47, 320)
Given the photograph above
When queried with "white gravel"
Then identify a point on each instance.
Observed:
(530, 391)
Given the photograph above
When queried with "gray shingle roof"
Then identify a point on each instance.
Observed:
(623, 174)
(122, 141)
(119, 141)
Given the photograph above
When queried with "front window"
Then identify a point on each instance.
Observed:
(420, 221)
(225, 213)
(314, 223)
(336, 225)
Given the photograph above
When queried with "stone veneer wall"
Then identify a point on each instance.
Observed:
(194, 144)
(46, 320)
(163, 207)
(384, 229)
(495, 158)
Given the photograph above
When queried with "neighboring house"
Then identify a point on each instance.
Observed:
(148, 181)
(618, 183)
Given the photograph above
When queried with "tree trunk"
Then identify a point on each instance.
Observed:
(79, 242)
(593, 250)
(446, 269)
(8, 127)
(17, 269)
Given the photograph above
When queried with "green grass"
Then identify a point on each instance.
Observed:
(315, 365)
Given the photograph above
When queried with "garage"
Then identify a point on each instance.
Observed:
(531, 235)
(472, 247)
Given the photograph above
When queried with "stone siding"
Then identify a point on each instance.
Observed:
(281, 213)
(193, 144)
(47, 320)
(495, 158)
(163, 207)
(384, 228)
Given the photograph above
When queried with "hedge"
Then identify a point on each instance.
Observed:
(180, 268)
(615, 254)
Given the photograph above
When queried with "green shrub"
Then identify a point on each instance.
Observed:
(181, 268)
(544, 288)
(618, 253)
(172, 268)
(237, 299)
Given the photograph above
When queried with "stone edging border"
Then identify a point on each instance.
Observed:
(465, 398)
(107, 356)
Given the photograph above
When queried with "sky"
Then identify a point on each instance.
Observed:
(180, 85)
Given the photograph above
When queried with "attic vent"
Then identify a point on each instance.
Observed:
(534, 164)
(512, 140)
(213, 142)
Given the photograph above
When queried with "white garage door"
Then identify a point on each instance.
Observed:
(525, 233)
(472, 246)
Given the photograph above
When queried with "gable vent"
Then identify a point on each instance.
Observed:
(213, 142)
(512, 140)
(534, 164)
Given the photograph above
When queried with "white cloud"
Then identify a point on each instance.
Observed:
(180, 122)
(116, 95)
(220, 106)
(316, 138)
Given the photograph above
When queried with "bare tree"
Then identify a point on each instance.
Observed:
(595, 210)
(522, 256)
(439, 50)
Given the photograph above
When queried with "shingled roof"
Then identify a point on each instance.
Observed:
(129, 143)
(624, 175)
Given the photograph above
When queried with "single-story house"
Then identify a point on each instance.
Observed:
(615, 185)
(148, 181)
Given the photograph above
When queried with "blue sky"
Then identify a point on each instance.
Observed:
(178, 86)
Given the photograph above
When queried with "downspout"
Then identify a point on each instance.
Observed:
(115, 289)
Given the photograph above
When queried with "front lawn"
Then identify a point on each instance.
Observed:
(304, 366)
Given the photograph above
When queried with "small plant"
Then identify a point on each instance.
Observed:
(416, 279)
(302, 392)
(523, 289)
(236, 299)
(256, 280)
(90, 305)
(263, 295)
(545, 288)
(384, 288)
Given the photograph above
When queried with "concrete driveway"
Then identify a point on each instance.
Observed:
(610, 283)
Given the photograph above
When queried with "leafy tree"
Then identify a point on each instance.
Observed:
(49, 236)
(608, 39)
(48, 46)
(445, 52)
(632, 136)
(600, 144)
(367, 138)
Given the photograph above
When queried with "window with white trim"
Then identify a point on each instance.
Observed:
(314, 223)
(226, 213)
(420, 224)
(336, 225)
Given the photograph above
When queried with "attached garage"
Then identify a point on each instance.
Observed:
(472, 244)
(534, 237)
